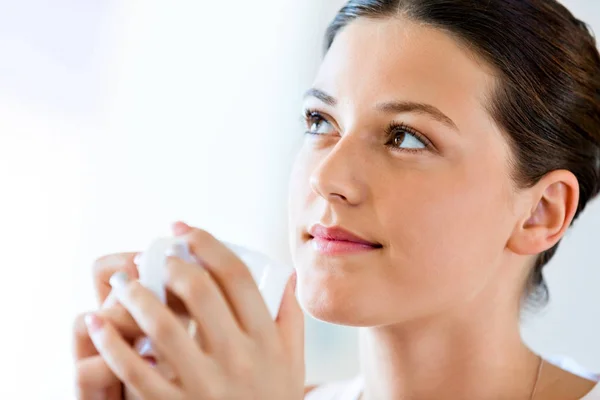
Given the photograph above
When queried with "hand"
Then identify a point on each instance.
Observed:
(94, 380)
(244, 353)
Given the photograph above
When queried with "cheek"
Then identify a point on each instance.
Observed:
(299, 191)
(449, 232)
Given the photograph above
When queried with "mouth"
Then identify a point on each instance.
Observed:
(338, 241)
(339, 247)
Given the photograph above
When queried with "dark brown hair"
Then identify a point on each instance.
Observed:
(547, 100)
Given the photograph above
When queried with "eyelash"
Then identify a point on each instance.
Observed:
(392, 128)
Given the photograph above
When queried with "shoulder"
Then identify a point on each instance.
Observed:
(309, 389)
(349, 389)
(564, 379)
(594, 394)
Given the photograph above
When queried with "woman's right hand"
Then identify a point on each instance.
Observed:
(94, 380)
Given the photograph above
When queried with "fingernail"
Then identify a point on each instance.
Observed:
(93, 323)
(181, 228)
(119, 280)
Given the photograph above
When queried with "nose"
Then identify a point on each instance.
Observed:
(338, 177)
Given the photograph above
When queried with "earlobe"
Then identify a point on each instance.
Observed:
(555, 200)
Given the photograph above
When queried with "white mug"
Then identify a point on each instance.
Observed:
(270, 277)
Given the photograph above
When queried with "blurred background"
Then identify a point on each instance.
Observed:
(120, 117)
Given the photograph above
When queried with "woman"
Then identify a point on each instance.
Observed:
(450, 144)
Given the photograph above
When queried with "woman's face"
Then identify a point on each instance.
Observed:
(434, 190)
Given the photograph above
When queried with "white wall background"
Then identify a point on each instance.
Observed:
(117, 118)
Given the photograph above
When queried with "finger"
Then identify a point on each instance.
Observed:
(235, 281)
(217, 328)
(93, 375)
(83, 346)
(109, 301)
(122, 320)
(117, 315)
(106, 266)
(91, 380)
(129, 367)
(114, 392)
(290, 322)
(181, 228)
(169, 337)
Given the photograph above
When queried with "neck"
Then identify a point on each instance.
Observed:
(472, 354)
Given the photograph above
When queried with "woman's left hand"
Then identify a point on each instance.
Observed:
(244, 353)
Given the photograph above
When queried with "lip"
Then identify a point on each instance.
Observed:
(338, 234)
(336, 241)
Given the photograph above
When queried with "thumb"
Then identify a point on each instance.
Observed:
(290, 320)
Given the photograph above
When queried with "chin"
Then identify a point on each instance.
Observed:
(340, 314)
(331, 300)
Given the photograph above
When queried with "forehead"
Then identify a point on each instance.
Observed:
(376, 60)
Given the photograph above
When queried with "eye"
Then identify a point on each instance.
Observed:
(404, 137)
(317, 124)
(407, 141)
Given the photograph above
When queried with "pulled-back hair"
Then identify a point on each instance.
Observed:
(547, 100)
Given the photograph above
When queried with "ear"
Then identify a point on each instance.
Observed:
(551, 210)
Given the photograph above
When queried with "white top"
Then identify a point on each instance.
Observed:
(351, 389)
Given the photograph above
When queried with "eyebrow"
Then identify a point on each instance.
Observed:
(321, 95)
(391, 107)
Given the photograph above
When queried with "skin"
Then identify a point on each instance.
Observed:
(236, 345)
(439, 302)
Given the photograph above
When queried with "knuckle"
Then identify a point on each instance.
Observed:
(79, 326)
(191, 284)
(135, 291)
(196, 289)
(279, 356)
(106, 265)
(81, 376)
(272, 348)
(241, 367)
(160, 329)
(105, 262)
(236, 273)
(213, 392)
(130, 375)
